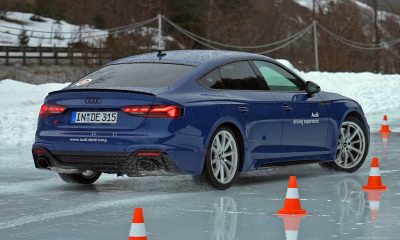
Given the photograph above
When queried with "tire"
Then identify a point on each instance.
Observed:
(352, 147)
(87, 177)
(222, 158)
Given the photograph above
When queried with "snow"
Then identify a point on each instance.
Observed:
(40, 31)
(309, 3)
(383, 15)
(19, 20)
(305, 3)
(287, 64)
(378, 94)
(20, 104)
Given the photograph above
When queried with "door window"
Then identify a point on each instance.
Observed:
(277, 78)
(239, 76)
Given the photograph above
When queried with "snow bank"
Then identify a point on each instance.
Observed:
(378, 94)
(20, 104)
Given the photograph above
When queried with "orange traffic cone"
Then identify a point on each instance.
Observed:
(138, 229)
(375, 180)
(292, 225)
(292, 203)
(385, 138)
(374, 199)
(385, 125)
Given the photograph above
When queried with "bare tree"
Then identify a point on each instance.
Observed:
(4, 8)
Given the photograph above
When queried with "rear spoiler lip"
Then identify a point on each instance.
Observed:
(100, 90)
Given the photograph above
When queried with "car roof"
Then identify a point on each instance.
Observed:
(202, 60)
(191, 57)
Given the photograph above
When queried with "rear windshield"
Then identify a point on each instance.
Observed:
(144, 75)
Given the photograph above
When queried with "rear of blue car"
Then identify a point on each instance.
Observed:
(112, 121)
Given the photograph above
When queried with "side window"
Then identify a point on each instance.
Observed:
(239, 76)
(278, 78)
(212, 80)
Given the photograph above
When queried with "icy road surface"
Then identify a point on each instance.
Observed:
(38, 205)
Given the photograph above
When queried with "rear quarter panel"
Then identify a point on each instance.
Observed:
(204, 111)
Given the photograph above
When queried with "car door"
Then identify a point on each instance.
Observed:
(255, 108)
(305, 120)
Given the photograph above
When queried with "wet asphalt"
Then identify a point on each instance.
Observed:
(36, 204)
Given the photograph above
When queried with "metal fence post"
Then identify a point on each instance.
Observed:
(7, 56)
(40, 55)
(316, 46)
(159, 39)
(23, 56)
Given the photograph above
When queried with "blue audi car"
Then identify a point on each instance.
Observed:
(199, 112)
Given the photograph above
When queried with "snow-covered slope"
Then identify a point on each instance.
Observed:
(378, 94)
(39, 31)
(383, 15)
(309, 3)
(43, 33)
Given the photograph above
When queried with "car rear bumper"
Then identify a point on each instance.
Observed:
(109, 162)
(118, 153)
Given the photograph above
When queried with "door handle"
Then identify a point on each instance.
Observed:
(243, 109)
(287, 108)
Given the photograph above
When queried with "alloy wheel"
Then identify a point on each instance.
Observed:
(224, 156)
(351, 145)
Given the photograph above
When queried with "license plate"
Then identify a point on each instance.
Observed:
(94, 117)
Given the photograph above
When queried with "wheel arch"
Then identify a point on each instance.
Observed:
(239, 134)
(356, 113)
(351, 112)
(239, 138)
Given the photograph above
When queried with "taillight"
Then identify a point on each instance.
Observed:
(158, 111)
(39, 151)
(50, 110)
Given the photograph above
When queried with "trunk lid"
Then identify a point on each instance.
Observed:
(99, 101)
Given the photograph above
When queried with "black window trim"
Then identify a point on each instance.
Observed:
(208, 72)
(284, 68)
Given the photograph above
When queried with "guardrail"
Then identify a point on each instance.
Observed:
(71, 55)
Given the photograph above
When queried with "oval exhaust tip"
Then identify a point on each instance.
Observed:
(43, 162)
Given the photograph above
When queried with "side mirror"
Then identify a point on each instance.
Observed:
(312, 88)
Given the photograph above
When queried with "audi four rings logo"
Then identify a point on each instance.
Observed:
(93, 100)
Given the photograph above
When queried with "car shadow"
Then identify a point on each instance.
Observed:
(159, 184)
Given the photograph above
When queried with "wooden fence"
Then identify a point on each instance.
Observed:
(56, 55)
